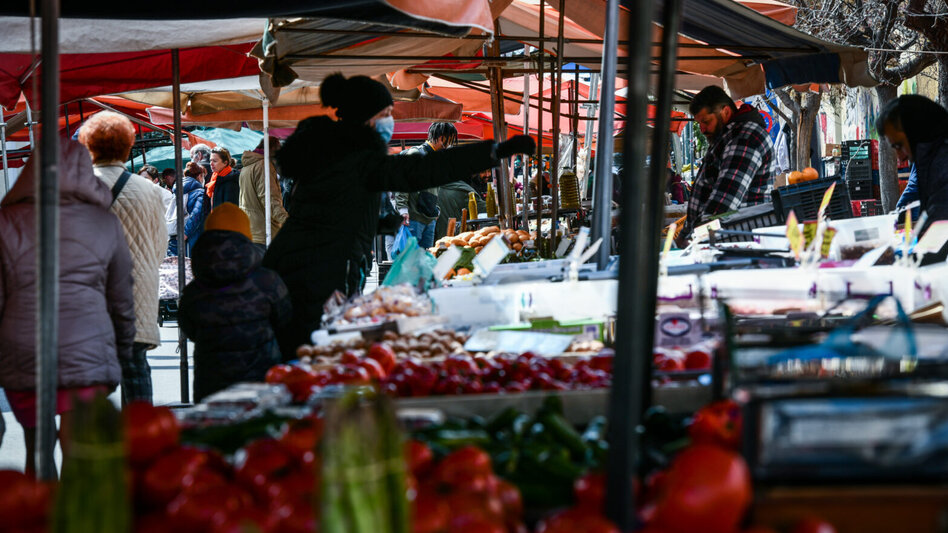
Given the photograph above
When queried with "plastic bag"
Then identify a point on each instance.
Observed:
(401, 241)
(840, 355)
(414, 265)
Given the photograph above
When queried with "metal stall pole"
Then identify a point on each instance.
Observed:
(266, 166)
(179, 202)
(526, 131)
(602, 192)
(47, 258)
(635, 319)
(3, 150)
(574, 121)
(557, 85)
(651, 196)
(542, 66)
(29, 124)
(500, 134)
(590, 128)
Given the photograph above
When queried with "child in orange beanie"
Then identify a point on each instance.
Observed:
(233, 308)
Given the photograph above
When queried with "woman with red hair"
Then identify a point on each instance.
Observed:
(137, 203)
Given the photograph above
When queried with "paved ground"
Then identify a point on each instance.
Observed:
(166, 380)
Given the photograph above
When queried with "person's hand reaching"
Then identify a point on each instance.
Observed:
(518, 144)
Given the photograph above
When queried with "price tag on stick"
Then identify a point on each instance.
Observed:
(827, 196)
(793, 235)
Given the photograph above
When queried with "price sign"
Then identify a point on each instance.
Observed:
(794, 235)
(701, 232)
(446, 262)
(827, 196)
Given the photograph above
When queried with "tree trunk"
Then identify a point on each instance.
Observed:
(809, 110)
(943, 80)
(888, 173)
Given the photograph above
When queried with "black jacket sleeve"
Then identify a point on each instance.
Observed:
(414, 172)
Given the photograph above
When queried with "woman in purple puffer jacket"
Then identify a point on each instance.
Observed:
(96, 306)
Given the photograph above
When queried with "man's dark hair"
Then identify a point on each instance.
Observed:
(167, 172)
(443, 129)
(921, 119)
(712, 98)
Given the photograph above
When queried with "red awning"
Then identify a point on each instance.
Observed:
(87, 75)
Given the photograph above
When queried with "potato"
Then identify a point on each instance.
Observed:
(492, 229)
(304, 350)
(477, 250)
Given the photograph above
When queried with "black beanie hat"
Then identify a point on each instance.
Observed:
(356, 99)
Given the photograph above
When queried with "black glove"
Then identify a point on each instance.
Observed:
(518, 144)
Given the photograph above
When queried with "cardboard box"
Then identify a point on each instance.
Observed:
(780, 180)
(832, 150)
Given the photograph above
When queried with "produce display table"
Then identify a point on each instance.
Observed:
(579, 406)
(856, 509)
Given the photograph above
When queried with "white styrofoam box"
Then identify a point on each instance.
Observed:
(772, 243)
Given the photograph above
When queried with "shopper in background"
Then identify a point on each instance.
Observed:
(739, 168)
(452, 198)
(201, 154)
(150, 172)
(253, 196)
(420, 208)
(232, 307)
(917, 128)
(340, 167)
(195, 205)
(168, 178)
(139, 207)
(224, 185)
(97, 309)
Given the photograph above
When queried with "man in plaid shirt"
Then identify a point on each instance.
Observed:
(739, 168)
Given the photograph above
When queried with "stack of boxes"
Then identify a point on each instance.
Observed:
(859, 165)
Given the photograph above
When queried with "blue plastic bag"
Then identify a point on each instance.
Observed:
(401, 241)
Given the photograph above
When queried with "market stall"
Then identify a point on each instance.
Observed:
(555, 394)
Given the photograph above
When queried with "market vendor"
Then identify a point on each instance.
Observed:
(739, 168)
(339, 168)
(917, 129)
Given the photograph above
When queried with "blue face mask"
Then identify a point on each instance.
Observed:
(386, 128)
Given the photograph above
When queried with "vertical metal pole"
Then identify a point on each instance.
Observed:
(652, 197)
(500, 135)
(141, 139)
(179, 198)
(574, 110)
(637, 277)
(47, 260)
(557, 86)
(590, 125)
(526, 131)
(266, 166)
(539, 191)
(3, 150)
(29, 124)
(602, 195)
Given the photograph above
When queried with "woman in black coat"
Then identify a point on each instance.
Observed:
(339, 168)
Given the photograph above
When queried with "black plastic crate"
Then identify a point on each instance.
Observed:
(860, 189)
(857, 169)
(804, 199)
(862, 148)
(747, 219)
